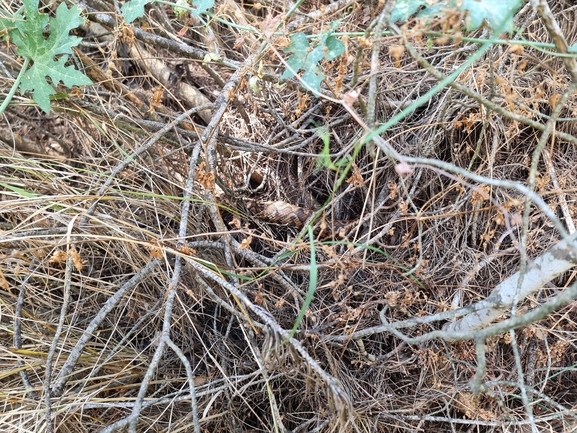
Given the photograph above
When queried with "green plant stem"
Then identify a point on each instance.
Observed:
(541, 46)
(427, 96)
(15, 85)
(312, 286)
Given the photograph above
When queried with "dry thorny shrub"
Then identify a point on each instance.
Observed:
(123, 268)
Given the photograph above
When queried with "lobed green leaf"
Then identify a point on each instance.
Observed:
(27, 33)
(303, 57)
(35, 79)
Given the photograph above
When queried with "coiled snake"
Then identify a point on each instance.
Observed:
(280, 212)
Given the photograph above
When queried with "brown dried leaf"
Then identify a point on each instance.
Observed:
(269, 25)
(59, 257)
(396, 52)
(356, 178)
(245, 243)
(76, 259)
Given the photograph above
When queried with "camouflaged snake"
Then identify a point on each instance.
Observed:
(280, 212)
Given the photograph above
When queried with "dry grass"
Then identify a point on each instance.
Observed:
(98, 209)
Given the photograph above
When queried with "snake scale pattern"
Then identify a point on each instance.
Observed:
(280, 212)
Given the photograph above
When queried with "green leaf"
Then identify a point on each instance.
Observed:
(314, 78)
(65, 20)
(303, 57)
(316, 55)
(201, 6)
(7, 23)
(22, 192)
(133, 9)
(436, 10)
(294, 63)
(334, 48)
(324, 158)
(28, 35)
(496, 12)
(299, 48)
(405, 8)
(35, 78)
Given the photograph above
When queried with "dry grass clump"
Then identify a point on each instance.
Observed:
(139, 292)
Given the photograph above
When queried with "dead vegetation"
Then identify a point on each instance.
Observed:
(139, 291)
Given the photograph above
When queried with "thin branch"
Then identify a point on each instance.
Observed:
(95, 323)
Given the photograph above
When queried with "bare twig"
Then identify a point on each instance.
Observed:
(88, 333)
